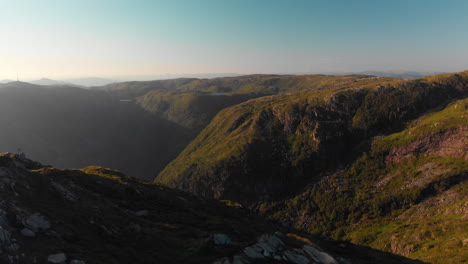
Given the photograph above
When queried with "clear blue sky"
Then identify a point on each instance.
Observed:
(122, 38)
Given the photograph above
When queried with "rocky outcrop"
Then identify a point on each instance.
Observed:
(59, 258)
(291, 249)
(449, 143)
(222, 239)
(280, 248)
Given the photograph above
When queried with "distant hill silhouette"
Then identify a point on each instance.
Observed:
(49, 82)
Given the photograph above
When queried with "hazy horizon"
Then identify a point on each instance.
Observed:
(123, 40)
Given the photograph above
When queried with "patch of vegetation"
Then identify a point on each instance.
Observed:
(455, 116)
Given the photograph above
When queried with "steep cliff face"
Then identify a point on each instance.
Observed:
(268, 145)
(272, 146)
(97, 215)
(407, 196)
(387, 108)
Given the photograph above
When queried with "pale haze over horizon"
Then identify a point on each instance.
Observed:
(130, 39)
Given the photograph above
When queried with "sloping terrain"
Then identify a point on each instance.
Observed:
(74, 127)
(190, 109)
(97, 215)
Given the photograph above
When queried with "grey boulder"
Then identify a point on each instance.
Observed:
(222, 239)
(37, 222)
(26, 232)
(59, 258)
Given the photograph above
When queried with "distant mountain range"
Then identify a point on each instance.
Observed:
(80, 82)
(90, 81)
(401, 75)
(389, 74)
(96, 81)
(45, 81)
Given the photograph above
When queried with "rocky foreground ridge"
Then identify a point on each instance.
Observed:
(97, 215)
